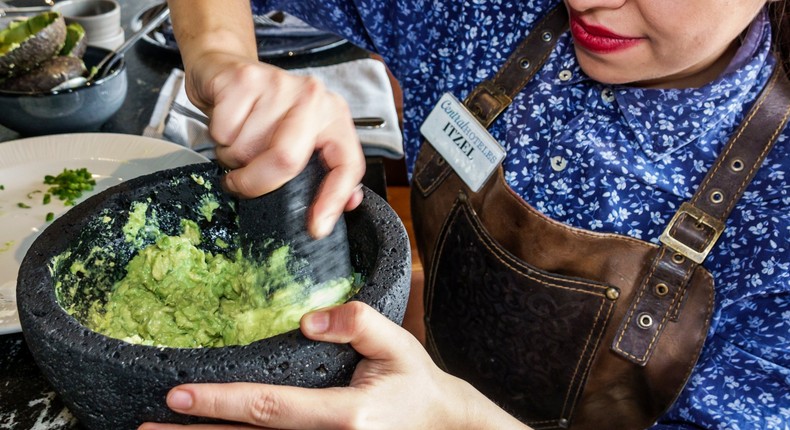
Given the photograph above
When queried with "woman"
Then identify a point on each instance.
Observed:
(611, 135)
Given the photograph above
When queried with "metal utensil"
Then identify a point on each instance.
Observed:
(105, 65)
(27, 10)
(365, 122)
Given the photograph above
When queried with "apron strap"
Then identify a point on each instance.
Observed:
(491, 97)
(696, 226)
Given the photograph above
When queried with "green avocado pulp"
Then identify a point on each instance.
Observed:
(177, 295)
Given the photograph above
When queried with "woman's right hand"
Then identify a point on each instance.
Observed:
(267, 122)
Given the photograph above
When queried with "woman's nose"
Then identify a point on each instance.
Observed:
(586, 5)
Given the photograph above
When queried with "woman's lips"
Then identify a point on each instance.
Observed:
(599, 39)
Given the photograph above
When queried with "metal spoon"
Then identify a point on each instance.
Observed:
(105, 65)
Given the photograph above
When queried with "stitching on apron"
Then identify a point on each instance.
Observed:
(660, 326)
(535, 32)
(700, 342)
(525, 270)
(741, 130)
(589, 362)
(757, 165)
(572, 230)
(434, 182)
(487, 241)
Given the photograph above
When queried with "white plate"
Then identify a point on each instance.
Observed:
(111, 158)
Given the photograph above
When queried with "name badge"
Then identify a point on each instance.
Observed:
(469, 148)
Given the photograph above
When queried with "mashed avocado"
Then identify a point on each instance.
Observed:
(175, 294)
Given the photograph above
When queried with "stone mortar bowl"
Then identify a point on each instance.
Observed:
(111, 384)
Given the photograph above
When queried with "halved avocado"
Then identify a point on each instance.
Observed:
(24, 44)
(76, 43)
(47, 75)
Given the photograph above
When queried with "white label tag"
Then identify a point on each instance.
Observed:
(469, 148)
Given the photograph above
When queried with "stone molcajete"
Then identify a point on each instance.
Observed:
(111, 384)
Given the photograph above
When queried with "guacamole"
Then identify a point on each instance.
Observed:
(175, 294)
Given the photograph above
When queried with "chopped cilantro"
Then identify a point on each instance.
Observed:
(70, 184)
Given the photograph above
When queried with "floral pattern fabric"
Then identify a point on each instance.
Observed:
(616, 159)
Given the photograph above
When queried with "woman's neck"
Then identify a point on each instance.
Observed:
(704, 74)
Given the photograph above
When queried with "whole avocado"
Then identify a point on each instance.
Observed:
(28, 43)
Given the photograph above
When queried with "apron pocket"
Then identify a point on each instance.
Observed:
(520, 335)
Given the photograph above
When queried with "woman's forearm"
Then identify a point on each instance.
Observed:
(204, 26)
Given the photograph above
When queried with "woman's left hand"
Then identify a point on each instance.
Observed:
(395, 386)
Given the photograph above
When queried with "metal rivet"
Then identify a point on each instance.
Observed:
(612, 293)
(524, 63)
(563, 423)
(678, 258)
(547, 36)
(644, 321)
(716, 197)
(736, 165)
(661, 289)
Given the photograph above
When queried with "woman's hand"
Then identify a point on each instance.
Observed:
(395, 386)
(267, 122)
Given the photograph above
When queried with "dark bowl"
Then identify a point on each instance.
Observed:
(80, 109)
(111, 384)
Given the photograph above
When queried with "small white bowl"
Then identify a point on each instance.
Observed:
(110, 43)
(101, 19)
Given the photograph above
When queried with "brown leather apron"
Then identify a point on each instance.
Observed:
(563, 327)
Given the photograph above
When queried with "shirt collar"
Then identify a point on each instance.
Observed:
(644, 109)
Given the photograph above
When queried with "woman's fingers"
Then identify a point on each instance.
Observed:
(369, 332)
(342, 153)
(268, 123)
(270, 151)
(267, 406)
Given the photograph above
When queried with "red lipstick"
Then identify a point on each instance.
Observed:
(597, 39)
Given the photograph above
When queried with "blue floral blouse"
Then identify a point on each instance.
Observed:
(616, 159)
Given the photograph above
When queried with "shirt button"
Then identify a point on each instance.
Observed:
(558, 163)
(607, 95)
(565, 75)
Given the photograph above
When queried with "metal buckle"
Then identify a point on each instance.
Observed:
(702, 218)
(488, 90)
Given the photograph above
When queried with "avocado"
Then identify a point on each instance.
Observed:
(46, 76)
(27, 43)
(76, 43)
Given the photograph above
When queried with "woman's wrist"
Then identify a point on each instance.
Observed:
(474, 411)
(222, 27)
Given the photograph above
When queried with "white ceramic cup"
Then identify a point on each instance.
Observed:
(101, 19)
